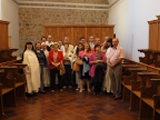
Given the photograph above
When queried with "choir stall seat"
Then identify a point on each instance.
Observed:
(156, 98)
(12, 80)
(147, 92)
(7, 91)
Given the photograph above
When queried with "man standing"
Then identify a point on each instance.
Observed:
(115, 56)
(91, 42)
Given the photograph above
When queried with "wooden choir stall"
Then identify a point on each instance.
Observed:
(12, 78)
(141, 80)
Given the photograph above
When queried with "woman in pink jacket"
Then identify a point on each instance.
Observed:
(97, 70)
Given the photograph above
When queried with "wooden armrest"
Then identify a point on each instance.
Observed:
(148, 74)
(19, 64)
(137, 69)
(8, 67)
(156, 96)
(130, 65)
(6, 90)
(155, 79)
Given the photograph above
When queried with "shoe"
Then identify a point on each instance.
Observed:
(69, 87)
(117, 97)
(77, 89)
(64, 87)
(61, 90)
(52, 91)
(89, 90)
(42, 91)
(81, 90)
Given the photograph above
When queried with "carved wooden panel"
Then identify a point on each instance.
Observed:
(78, 32)
(74, 33)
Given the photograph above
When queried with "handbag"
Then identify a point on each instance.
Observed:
(79, 62)
(62, 69)
(76, 67)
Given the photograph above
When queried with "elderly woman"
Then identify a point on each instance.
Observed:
(76, 66)
(32, 71)
(84, 55)
(55, 63)
(46, 69)
(97, 70)
(67, 53)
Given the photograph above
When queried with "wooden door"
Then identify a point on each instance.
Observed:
(4, 35)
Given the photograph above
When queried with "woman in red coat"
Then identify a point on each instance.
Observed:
(55, 62)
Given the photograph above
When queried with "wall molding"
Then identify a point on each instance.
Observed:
(61, 5)
(113, 3)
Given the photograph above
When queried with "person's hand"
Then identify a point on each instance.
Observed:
(99, 61)
(57, 65)
(109, 63)
(27, 70)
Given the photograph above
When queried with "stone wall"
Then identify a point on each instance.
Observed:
(33, 20)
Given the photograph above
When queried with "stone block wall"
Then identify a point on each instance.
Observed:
(33, 20)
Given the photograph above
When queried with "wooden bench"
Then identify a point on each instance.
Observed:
(147, 91)
(10, 75)
(128, 76)
(143, 86)
(156, 97)
(17, 75)
(6, 89)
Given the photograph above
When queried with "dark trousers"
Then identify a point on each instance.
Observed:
(42, 77)
(67, 79)
(73, 79)
(98, 78)
(53, 73)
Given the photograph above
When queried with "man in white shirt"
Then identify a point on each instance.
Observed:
(49, 41)
(91, 42)
(66, 41)
(115, 56)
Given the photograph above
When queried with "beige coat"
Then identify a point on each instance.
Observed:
(32, 71)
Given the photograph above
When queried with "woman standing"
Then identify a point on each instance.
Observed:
(97, 70)
(85, 67)
(46, 69)
(107, 80)
(67, 53)
(55, 63)
(43, 63)
(32, 71)
(75, 67)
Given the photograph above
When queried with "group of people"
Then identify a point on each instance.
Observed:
(89, 65)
